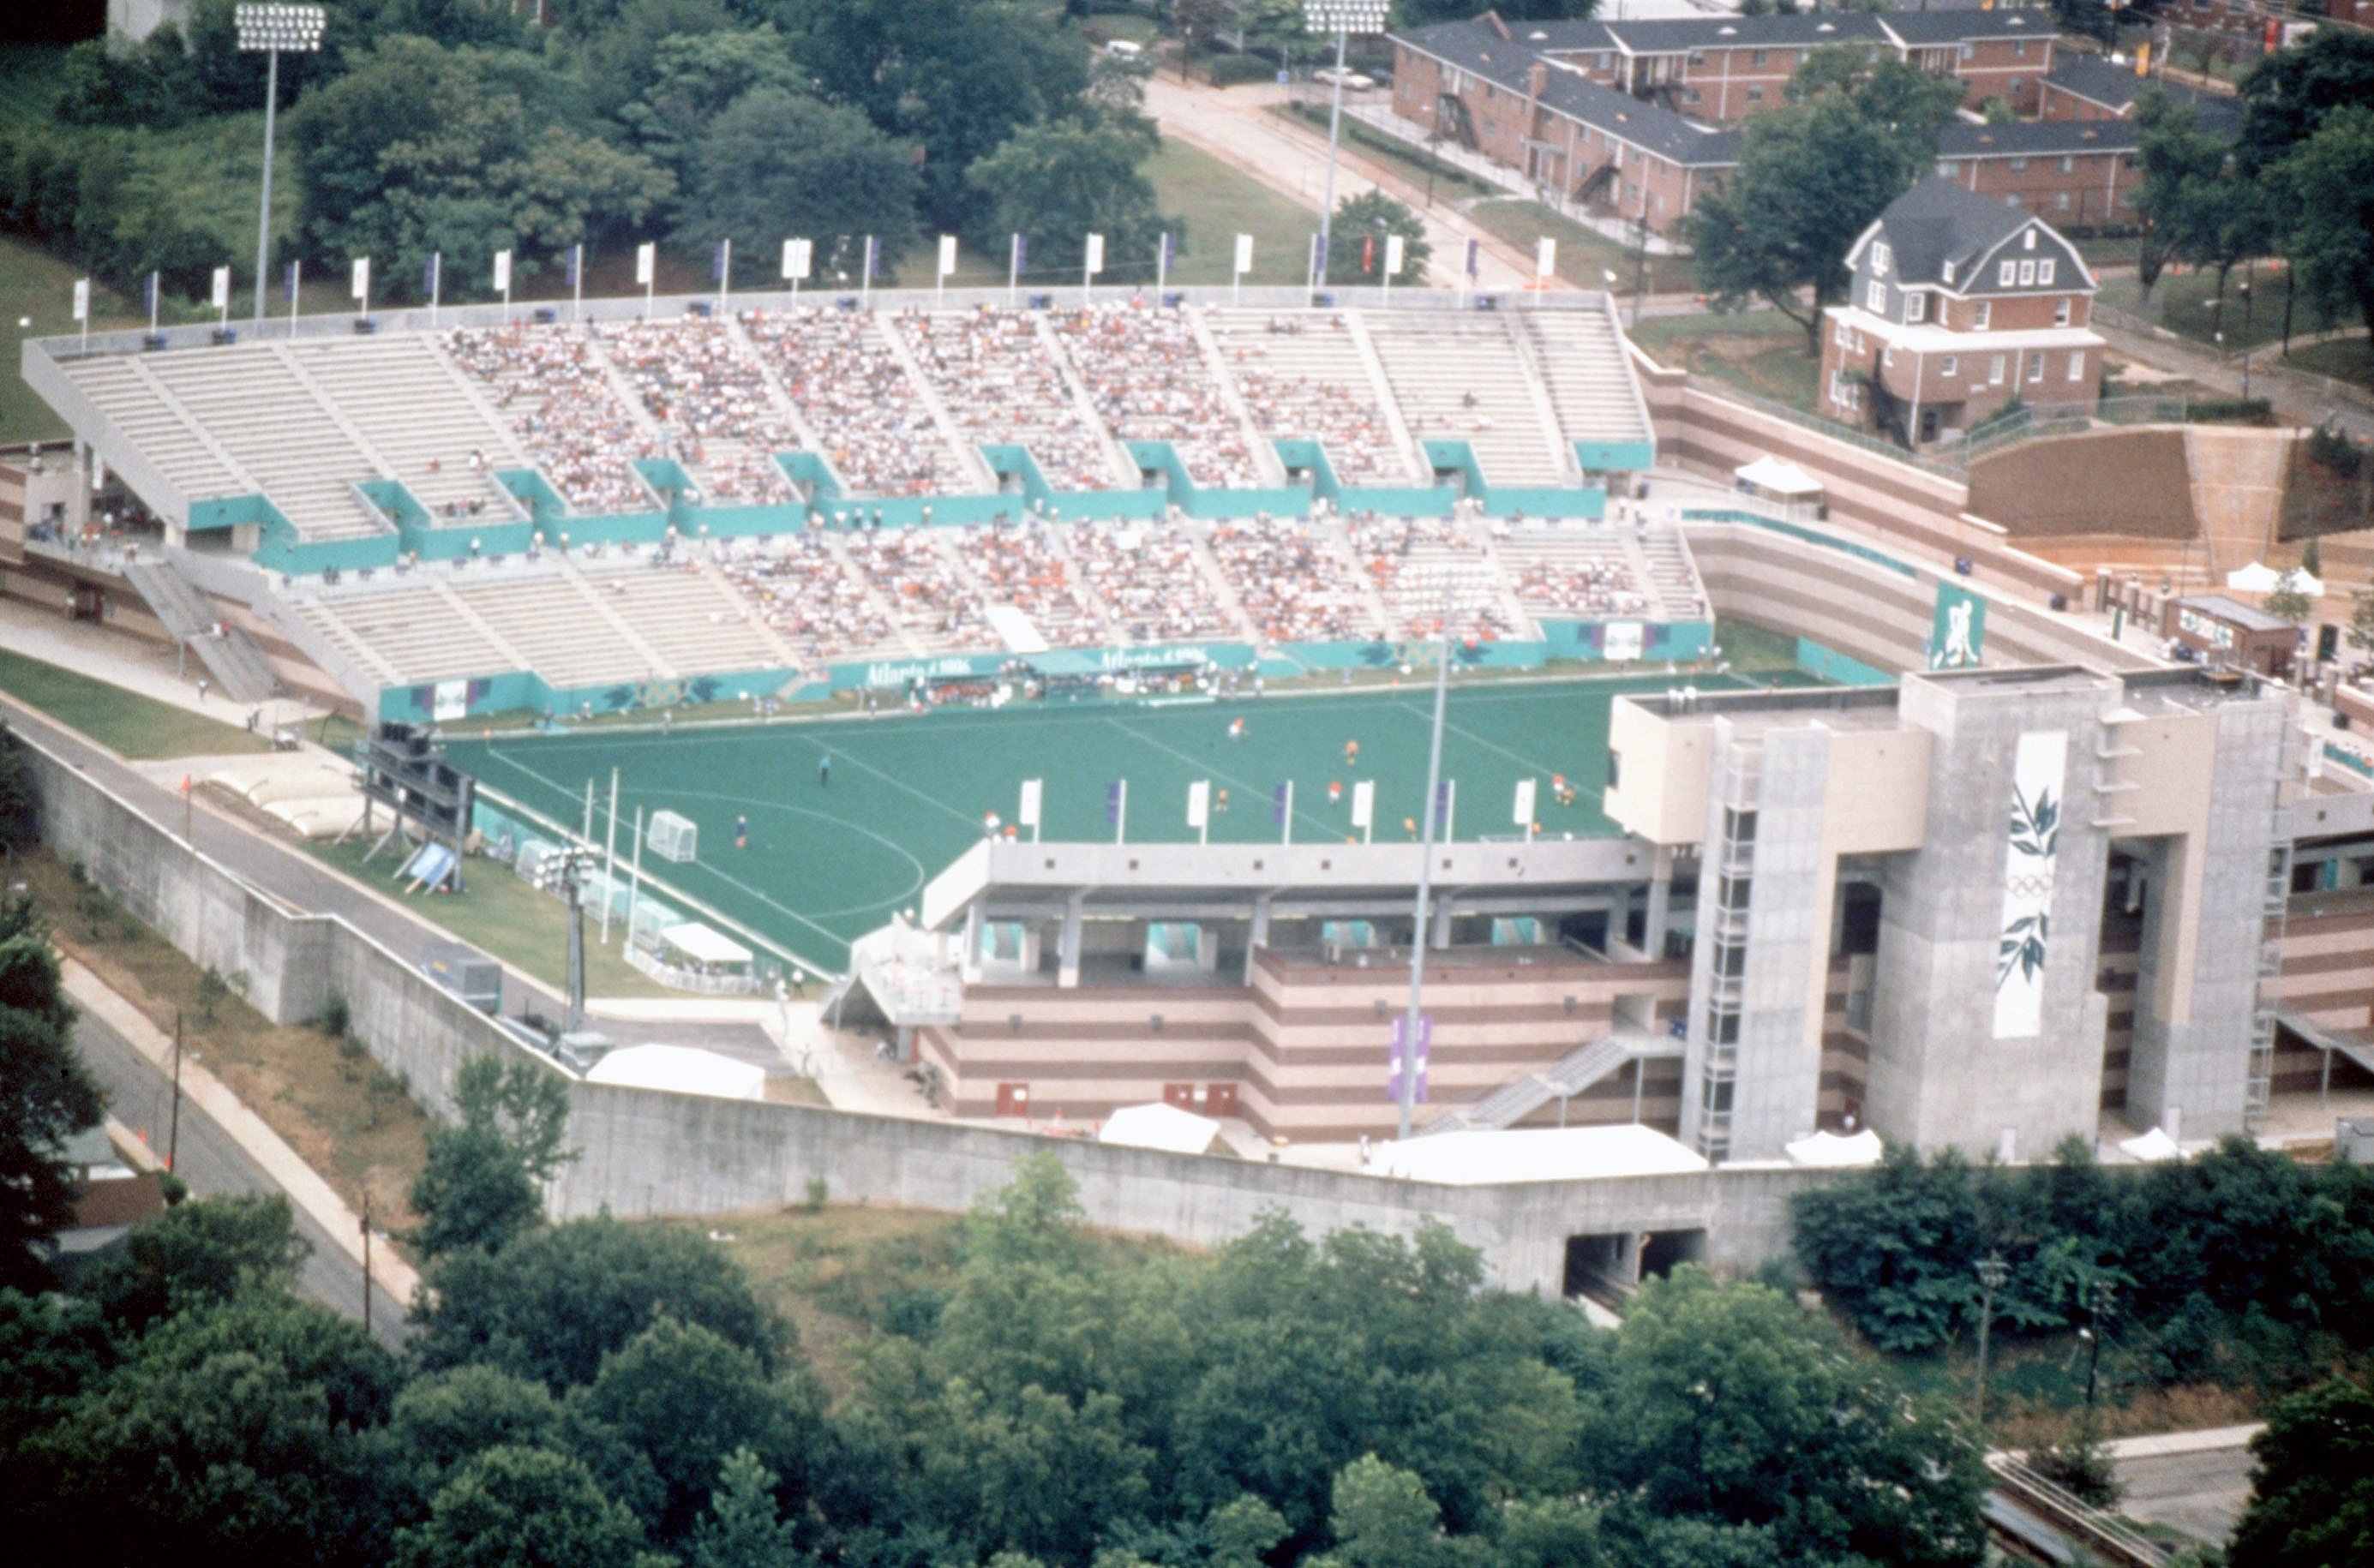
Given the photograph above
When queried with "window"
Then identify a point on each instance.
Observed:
(1875, 298)
(2061, 201)
(1722, 1029)
(1949, 271)
(2068, 164)
(1758, 56)
(1984, 314)
(2012, 86)
(1599, 61)
(1697, 56)
(1730, 960)
(2019, 49)
(1995, 370)
(2077, 365)
(2128, 197)
(1916, 306)
(1615, 768)
(1739, 826)
(1949, 168)
(2019, 166)
(2006, 274)
(1756, 95)
(2028, 240)
(1949, 366)
(2044, 269)
(2027, 274)
(2035, 365)
(1839, 332)
(2061, 313)
(1691, 94)
(2014, 200)
(1882, 258)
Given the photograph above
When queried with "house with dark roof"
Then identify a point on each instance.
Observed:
(2086, 87)
(1958, 304)
(2078, 173)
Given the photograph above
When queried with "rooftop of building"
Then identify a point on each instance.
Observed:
(2233, 612)
(1477, 48)
(2115, 85)
(2035, 138)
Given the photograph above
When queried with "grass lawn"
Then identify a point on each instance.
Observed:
(1134, 26)
(1412, 163)
(37, 287)
(505, 917)
(2185, 304)
(1219, 202)
(2110, 250)
(2345, 360)
(1761, 351)
(125, 722)
(341, 1111)
(1753, 649)
(1585, 256)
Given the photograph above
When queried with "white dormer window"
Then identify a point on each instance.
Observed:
(2006, 274)
(2044, 270)
(2028, 240)
(1875, 298)
(1949, 271)
(2027, 274)
(1882, 258)
(1916, 306)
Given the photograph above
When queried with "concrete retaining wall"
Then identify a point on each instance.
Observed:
(648, 1152)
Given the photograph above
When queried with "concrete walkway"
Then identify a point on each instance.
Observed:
(305, 1187)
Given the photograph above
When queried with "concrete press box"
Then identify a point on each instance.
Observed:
(467, 973)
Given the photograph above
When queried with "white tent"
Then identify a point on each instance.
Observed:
(2151, 1148)
(1829, 1151)
(1784, 480)
(2298, 581)
(680, 1069)
(1572, 1153)
(1158, 1126)
(2254, 578)
(699, 941)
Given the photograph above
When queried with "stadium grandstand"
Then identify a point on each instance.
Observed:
(656, 504)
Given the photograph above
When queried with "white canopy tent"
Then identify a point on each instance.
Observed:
(2254, 579)
(680, 1069)
(1829, 1151)
(1797, 493)
(2151, 1148)
(1158, 1126)
(699, 941)
(1570, 1154)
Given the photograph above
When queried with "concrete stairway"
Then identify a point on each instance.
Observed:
(1578, 1070)
(238, 667)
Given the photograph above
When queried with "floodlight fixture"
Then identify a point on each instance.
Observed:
(292, 30)
(272, 31)
(1344, 15)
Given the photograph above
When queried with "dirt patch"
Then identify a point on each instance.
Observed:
(343, 1113)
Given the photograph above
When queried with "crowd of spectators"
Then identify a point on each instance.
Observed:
(927, 595)
(1294, 583)
(1021, 565)
(1291, 398)
(803, 592)
(1579, 584)
(1413, 560)
(1148, 578)
(1146, 372)
(876, 429)
(551, 384)
(707, 392)
(1004, 388)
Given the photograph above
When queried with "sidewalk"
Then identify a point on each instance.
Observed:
(306, 1189)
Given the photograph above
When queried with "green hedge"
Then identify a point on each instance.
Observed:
(1235, 70)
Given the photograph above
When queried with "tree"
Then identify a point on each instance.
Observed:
(21, 818)
(2360, 635)
(554, 1301)
(1911, 102)
(1731, 1406)
(2288, 95)
(778, 165)
(480, 1186)
(1812, 176)
(2330, 233)
(215, 1249)
(2312, 1491)
(2288, 603)
(2184, 171)
(1356, 240)
(1381, 1518)
(523, 1508)
(1061, 181)
(45, 1097)
(695, 76)
(745, 1527)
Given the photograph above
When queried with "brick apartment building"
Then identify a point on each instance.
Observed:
(2078, 173)
(1958, 304)
(2085, 87)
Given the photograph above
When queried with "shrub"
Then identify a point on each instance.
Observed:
(336, 1018)
(1235, 70)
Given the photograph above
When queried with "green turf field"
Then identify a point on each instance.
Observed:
(827, 862)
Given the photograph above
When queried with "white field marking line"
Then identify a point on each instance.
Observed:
(902, 851)
(1254, 789)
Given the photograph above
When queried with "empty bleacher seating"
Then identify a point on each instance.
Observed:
(1460, 376)
(1302, 378)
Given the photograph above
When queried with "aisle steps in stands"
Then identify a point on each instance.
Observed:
(952, 433)
(1666, 567)
(1267, 465)
(1438, 362)
(1209, 568)
(1117, 458)
(1583, 360)
(414, 408)
(778, 397)
(717, 653)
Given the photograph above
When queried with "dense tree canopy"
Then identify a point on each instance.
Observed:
(778, 164)
(483, 1182)
(2312, 1501)
(45, 1097)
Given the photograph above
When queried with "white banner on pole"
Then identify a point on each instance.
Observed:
(1524, 814)
(1545, 257)
(646, 259)
(361, 285)
(1364, 802)
(799, 256)
(1096, 254)
(1244, 252)
(948, 255)
(1199, 803)
(222, 289)
(502, 271)
(1392, 255)
(1027, 813)
(82, 296)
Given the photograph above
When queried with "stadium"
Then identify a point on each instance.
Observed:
(1051, 679)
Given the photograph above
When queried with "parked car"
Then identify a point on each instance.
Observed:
(1352, 79)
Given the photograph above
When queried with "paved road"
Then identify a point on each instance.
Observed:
(2202, 1494)
(301, 882)
(140, 1096)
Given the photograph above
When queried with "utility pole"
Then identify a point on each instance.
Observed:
(2097, 1306)
(367, 1279)
(1992, 1272)
(173, 1136)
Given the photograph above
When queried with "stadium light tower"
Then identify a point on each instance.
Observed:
(1342, 18)
(269, 30)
